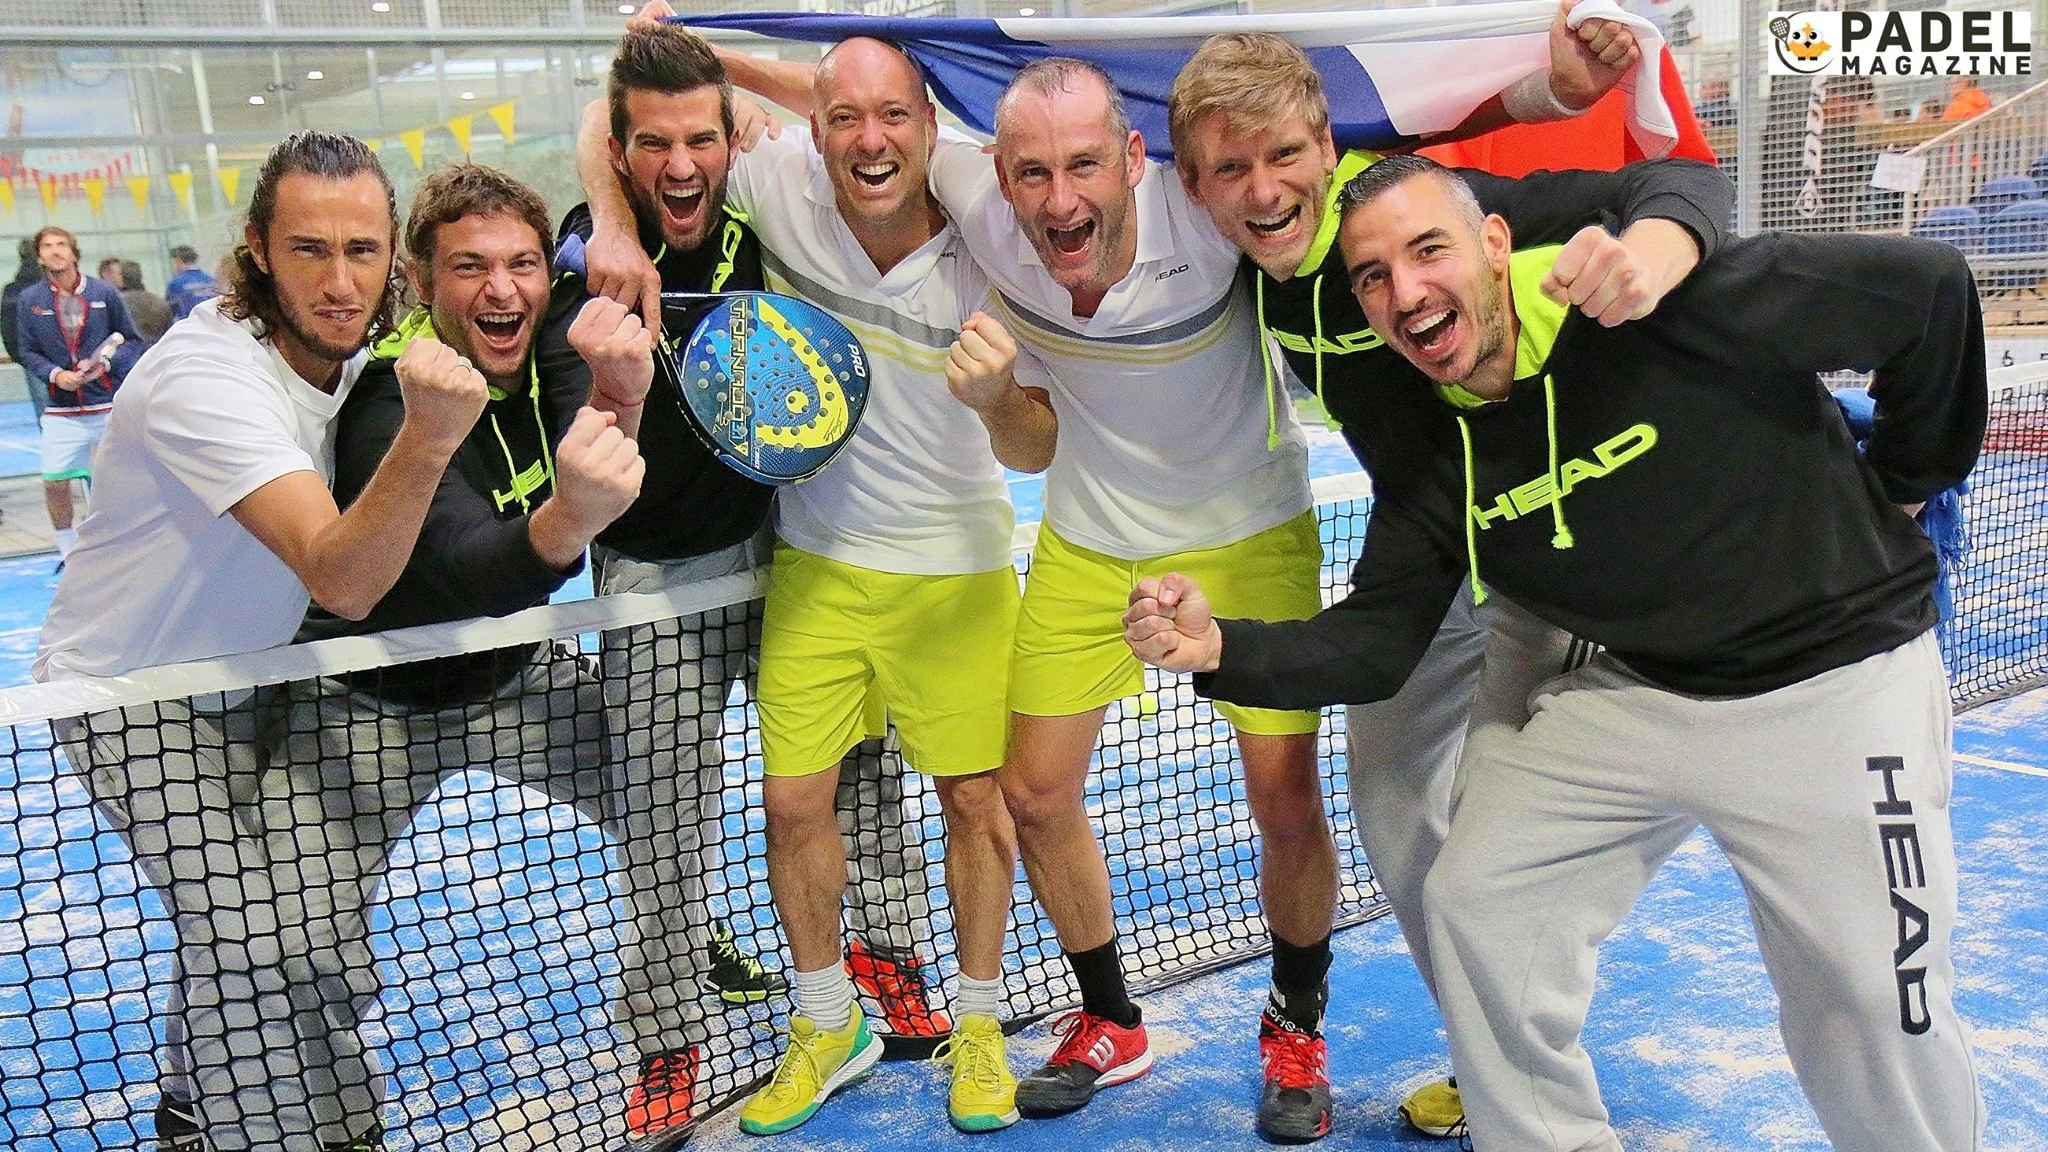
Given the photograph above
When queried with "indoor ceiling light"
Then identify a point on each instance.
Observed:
(1027, 11)
(469, 95)
(256, 100)
(316, 74)
(380, 6)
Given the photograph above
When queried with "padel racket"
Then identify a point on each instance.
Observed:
(773, 385)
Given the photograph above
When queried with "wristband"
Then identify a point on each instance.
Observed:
(1531, 101)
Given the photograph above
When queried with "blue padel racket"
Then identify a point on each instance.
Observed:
(773, 385)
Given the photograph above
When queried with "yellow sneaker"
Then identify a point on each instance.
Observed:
(1435, 1109)
(984, 1093)
(817, 1064)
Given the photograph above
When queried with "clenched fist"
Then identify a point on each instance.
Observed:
(1587, 62)
(597, 470)
(443, 393)
(618, 348)
(1169, 625)
(978, 366)
(1603, 276)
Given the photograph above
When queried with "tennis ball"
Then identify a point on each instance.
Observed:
(1148, 704)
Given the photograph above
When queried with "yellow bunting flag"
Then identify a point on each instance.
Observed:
(95, 193)
(461, 128)
(181, 187)
(501, 115)
(230, 183)
(49, 190)
(138, 187)
(7, 197)
(376, 146)
(415, 141)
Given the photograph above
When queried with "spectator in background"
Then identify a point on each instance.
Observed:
(64, 324)
(109, 270)
(10, 303)
(151, 312)
(1716, 109)
(189, 282)
(1966, 101)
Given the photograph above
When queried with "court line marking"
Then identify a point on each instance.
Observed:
(2002, 765)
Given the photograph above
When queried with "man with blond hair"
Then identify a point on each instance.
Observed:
(1252, 143)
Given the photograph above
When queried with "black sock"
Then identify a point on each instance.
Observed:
(1301, 987)
(1101, 979)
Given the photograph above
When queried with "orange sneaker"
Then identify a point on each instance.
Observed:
(658, 1107)
(901, 989)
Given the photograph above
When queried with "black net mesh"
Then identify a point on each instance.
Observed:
(480, 902)
(334, 902)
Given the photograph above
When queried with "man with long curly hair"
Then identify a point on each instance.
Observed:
(213, 526)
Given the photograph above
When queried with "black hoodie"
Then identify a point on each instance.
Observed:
(1718, 531)
(1333, 351)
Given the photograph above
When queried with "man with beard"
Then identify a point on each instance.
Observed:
(511, 517)
(660, 195)
(213, 525)
(1774, 677)
(64, 322)
(1252, 144)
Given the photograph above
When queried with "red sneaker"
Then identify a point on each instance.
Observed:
(1296, 1105)
(1094, 1054)
(901, 989)
(658, 1107)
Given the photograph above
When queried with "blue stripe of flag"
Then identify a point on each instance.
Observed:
(969, 62)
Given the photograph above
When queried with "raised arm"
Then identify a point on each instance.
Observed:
(980, 372)
(349, 560)
(1585, 63)
(615, 264)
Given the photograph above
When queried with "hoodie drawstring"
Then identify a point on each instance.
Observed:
(1315, 307)
(1266, 362)
(1562, 538)
(1471, 515)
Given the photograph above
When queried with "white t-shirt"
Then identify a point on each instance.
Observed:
(161, 572)
(1161, 394)
(918, 489)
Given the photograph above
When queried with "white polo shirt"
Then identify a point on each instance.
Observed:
(1161, 394)
(162, 573)
(918, 489)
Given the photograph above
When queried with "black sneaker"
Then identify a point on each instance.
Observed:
(177, 1126)
(371, 1140)
(1295, 1107)
(737, 977)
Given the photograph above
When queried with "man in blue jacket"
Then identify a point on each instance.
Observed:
(64, 323)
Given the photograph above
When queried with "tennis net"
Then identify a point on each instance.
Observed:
(478, 922)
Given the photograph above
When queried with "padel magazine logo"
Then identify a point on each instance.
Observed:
(1939, 42)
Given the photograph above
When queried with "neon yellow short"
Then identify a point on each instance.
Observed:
(1071, 655)
(936, 649)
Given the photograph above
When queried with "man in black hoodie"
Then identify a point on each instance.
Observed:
(1682, 491)
(519, 503)
(1252, 145)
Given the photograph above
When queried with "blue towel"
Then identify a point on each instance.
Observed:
(1942, 519)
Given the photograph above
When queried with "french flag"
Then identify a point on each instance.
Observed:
(1391, 75)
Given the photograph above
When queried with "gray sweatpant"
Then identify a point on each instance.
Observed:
(1403, 752)
(245, 1026)
(666, 686)
(1830, 798)
(356, 769)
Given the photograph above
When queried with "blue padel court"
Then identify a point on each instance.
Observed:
(498, 935)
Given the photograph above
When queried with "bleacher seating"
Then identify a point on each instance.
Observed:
(2018, 230)
(1957, 224)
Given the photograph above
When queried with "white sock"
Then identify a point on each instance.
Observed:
(978, 997)
(66, 537)
(826, 996)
